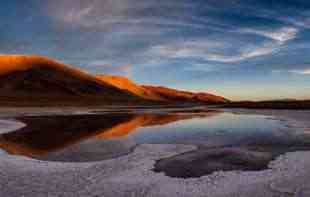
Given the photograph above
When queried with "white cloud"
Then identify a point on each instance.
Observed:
(131, 24)
(85, 13)
(101, 14)
(301, 72)
(181, 49)
(281, 35)
(242, 56)
(209, 51)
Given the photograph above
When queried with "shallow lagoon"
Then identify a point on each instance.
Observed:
(225, 140)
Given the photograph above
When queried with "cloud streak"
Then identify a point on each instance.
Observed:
(104, 14)
(211, 51)
(301, 72)
(281, 35)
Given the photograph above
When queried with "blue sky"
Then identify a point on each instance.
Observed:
(241, 49)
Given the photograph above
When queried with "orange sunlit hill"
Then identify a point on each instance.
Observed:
(125, 84)
(158, 93)
(35, 80)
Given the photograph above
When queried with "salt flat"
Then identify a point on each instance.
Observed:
(132, 175)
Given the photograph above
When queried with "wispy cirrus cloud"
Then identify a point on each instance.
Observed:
(132, 20)
(209, 50)
(149, 33)
(104, 14)
(301, 72)
(278, 38)
(245, 54)
(282, 35)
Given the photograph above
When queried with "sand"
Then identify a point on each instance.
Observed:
(132, 175)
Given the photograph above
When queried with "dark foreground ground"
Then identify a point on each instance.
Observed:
(292, 105)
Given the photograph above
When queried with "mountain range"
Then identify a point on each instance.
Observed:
(30, 80)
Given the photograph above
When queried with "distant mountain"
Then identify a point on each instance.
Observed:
(174, 95)
(162, 94)
(39, 81)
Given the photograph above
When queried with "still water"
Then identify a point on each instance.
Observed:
(93, 137)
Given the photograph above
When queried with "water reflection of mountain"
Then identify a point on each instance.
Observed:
(47, 134)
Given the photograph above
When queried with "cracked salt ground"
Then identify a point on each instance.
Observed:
(131, 175)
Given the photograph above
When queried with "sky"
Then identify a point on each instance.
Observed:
(240, 49)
